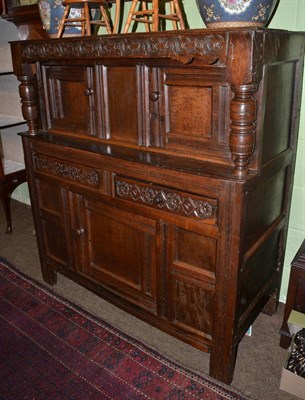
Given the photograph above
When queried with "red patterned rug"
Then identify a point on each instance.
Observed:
(53, 349)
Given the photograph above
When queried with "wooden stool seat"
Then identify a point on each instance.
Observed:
(85, 21)
(151, 16)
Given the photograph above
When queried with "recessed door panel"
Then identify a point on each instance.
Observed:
(121, 252)
(71, 100)
(122, 103)
(191, 281)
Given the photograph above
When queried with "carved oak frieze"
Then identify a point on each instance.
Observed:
(164, 199)
(82, 175)
(208, 48)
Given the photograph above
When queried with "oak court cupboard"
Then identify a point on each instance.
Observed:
(160, 169)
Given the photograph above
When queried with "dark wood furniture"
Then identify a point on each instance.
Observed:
(161, 177)
(296, 294)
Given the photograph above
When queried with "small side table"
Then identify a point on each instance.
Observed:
(296, 293)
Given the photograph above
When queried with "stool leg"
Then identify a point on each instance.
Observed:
(130, 14)
(87, 27)
(117, 16)
(62, 22)
(178, 11)
(104, 15)
(155, 15)
(146, 17)
(173, 11)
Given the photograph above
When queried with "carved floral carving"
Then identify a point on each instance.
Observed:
(67, 171)
(164, 199)
(206, 47)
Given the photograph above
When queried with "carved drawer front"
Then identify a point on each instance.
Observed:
(165, 199)
(194, 113)
(119, 250)
(52, 208)
(71, 172)
(191, 281)
(71, 100)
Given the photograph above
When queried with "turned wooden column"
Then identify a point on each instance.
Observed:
(242, 137)
(29, 101)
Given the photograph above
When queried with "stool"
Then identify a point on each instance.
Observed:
(151, 17)
(84, 21)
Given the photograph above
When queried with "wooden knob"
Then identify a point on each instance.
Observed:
(78, 232)
(154, 96)
(88, 92)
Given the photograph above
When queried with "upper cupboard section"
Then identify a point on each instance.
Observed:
(138, 105)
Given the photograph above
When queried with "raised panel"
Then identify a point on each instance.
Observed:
(206, 127)
(191, 281)
(49, 197)
(265, 204)
(199, 104)
(52, 204)
(193, 308)
(121, 252)
(123, 102)
(195, 250)
(71, 100)
(278, 120)
(259, 269)
(55, 243)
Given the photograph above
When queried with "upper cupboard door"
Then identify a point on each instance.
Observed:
(194, 113)
(71, 100)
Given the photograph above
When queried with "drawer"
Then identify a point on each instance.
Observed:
(170, 200)
(71, 172)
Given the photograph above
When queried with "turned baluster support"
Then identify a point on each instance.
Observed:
(242, 136)
(29, 102)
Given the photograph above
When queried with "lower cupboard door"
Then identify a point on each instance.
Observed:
(120, 252)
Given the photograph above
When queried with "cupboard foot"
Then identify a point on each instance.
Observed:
(222, 365)
(49, 275)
